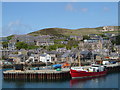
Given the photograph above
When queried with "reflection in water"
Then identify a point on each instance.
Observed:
(35, 83)
(0, 79)
(16, 83)
(108, 81)
(82, 82)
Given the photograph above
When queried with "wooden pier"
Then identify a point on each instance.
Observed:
(36, 74)
(113, 67)
(49, 74)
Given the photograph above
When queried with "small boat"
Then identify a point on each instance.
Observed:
(57, 66)
(65, 65)
(91, 71)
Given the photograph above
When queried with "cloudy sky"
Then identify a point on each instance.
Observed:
(25, 17)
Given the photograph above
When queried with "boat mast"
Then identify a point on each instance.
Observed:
(93, 57)
(101, 49)
(78, 53)
(79, 59)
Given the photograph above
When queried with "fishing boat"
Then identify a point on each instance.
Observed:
(91, 71)
(87, 71)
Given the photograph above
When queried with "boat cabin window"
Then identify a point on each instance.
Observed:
(93, 69)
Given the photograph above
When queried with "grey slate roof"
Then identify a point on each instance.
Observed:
(66, 54)
(51, 52)
(84, 52)
(43, 55)
(16, 55)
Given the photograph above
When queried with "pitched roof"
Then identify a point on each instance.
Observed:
(15, 55)
(66, 54)
(85, 52)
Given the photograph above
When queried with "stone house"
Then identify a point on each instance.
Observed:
(65, 56)
(17, 58)
(64, 42)
(33, 58)
(97, 43)
(44, 42)
(11, 46)
(23, 38)
(5, 53)
(86, 55)
(61, 49)
(53, 55)
(77, 38)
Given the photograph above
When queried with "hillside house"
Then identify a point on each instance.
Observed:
(69, 56)
(11, 46)
(65, 56)
(53, 55)
(23, 38)
(86, 55)
(97, 43)
(64, 42)
(77, 38)
(61, 49)
(45, 58)
(17, 58)
(5, 53)
(33, 58)
(94, 36)
(108, 28)
(44, 42)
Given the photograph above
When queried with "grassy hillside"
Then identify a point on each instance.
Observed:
(67, 32)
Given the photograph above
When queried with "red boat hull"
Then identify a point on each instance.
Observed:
(83, 74)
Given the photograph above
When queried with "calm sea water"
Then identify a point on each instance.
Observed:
(108, 81)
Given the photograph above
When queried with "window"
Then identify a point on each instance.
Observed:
(36, 60)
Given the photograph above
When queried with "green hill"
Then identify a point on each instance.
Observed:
(67, 32)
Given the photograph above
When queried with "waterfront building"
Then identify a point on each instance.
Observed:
(5, 53)
(17, 58)
(53, 55)
(33, 58)
(45, 58)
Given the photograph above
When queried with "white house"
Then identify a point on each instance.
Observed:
(45, 58)
(61, 49)
(108, 28)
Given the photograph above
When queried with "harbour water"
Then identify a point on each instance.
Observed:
(107, 81)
